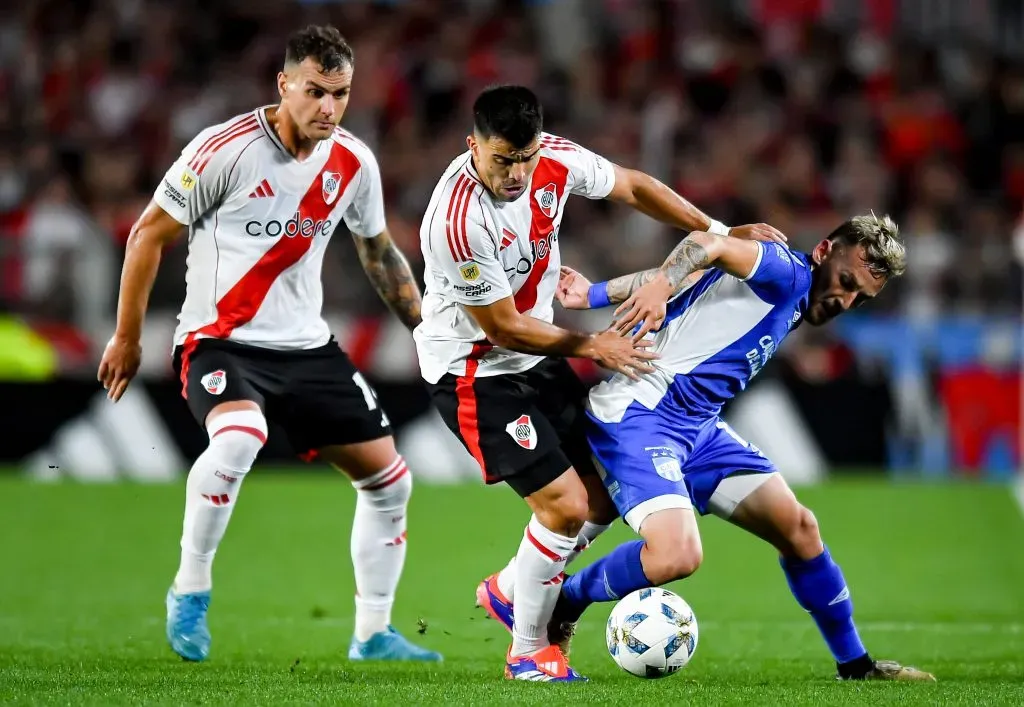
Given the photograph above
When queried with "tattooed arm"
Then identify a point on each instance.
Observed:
(391, 276)
(644, 295)
(620, 288)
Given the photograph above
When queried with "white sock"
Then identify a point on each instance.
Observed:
(211, 491)
(507, 579)
(538, 580)
(588, 534)
(378, 545)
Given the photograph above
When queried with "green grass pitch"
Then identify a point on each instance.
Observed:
(937, 575)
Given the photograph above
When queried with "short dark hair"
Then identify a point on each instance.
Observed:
(512, 113)
(323, 43)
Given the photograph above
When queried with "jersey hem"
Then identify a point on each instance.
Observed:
(481, 372)
(321, 341)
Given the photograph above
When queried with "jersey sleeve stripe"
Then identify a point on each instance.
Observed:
(449, 231)
(558, 146)
(462, 220)
(235, 124)
(555, 143)
(461, 241)
(224, 141)
(202, 158)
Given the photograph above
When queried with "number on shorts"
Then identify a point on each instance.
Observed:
(722, 425)
(370, 396)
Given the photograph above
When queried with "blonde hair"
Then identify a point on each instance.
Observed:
(884, 254)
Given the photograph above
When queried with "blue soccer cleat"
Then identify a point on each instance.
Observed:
(489, 596)
(187, 631)
(390, 645)
(546, 665)
(498, 607)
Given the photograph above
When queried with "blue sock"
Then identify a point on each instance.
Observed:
(819, 587)
(610, 578)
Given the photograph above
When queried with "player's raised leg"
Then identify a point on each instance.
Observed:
(383, 485)
(237, 431)
(670, 550)
(771, 511)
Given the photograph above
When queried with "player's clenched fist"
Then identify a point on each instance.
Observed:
(621, 354)
(119, 365)
(572, 289)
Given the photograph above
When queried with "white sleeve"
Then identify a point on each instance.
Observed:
(198, 180)
(590, 174)
(467, 254)
(365, 215)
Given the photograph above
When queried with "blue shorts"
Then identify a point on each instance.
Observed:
(648, 456)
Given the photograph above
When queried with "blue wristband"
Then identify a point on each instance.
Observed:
(597, 295)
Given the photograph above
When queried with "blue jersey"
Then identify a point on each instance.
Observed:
(717, 335)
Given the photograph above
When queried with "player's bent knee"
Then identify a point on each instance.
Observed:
(237, 436)
(570, 513)
(673, 546)
(672, 561)
(564, 514)
(563, 505)
(685, 557)
(805, 536)
(687, 560)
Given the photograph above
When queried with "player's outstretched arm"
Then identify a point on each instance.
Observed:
(391, 275)
(154, 230)
(505, 326)
(574, 291)
(653, 198)
(644, 295)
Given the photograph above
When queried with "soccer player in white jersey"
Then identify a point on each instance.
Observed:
(261, 195)
(661, 446)
(490, 243)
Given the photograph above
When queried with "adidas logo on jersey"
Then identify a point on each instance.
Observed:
(507, 238)
(262, 190)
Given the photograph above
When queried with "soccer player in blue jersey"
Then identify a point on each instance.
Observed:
(719, 308)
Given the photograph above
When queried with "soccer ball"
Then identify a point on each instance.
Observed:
(652, 633)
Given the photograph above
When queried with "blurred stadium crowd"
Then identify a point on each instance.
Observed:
(794, 113)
